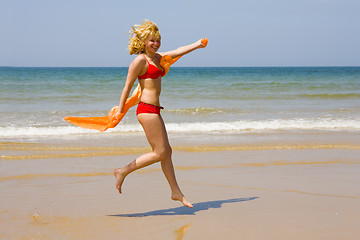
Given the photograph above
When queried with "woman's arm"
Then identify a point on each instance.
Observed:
(184, 49)
(134, 71)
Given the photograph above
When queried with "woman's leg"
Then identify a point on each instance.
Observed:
(156, 134)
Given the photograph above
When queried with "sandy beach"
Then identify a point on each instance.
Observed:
(63, 190)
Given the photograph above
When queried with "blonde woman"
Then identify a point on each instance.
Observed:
(145, 41)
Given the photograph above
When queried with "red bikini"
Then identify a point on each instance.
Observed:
(152, 72)
(148, 108)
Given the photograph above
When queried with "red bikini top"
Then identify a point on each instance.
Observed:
(152, 72)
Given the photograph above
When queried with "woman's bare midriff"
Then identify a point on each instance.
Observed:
(151, 89)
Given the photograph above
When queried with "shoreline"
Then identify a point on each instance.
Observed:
(83, 146)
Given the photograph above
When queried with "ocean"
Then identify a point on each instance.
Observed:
(210, 101)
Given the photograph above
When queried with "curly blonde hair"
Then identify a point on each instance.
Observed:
(139, 33)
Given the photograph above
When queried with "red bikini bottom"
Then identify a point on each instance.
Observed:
(148, 108)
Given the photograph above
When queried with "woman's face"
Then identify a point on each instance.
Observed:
(152, 44)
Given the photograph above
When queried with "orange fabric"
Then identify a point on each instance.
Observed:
(109, 121)
(166, 61)
(204, 42)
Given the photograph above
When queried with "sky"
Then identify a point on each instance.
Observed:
(241, 33)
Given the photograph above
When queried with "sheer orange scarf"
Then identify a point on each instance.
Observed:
(110, 121)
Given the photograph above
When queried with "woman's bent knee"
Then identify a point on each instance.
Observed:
(164, 153)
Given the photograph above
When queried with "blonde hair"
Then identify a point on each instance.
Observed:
(139, 33)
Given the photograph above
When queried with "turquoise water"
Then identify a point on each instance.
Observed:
(33, 101)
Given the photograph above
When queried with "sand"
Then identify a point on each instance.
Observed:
(267, 191)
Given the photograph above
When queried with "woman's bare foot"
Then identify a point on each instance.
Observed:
(119, 176)
(182, 199)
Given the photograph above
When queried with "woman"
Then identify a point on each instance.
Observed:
(145, 41)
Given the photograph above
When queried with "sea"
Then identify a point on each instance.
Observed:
(204, 101)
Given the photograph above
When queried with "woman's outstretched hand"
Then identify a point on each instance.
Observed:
(204, 42)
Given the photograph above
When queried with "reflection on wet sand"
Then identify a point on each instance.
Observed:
(180, 233)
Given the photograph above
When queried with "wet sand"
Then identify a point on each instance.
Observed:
(264, 191)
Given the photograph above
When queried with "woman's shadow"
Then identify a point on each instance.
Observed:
(185, 210)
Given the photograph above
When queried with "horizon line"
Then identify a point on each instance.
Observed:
(184, 66)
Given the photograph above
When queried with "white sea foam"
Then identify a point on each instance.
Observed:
(266, 125)
(56, 131)
(242, 126)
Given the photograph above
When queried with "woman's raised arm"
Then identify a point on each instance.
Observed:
(186, 49)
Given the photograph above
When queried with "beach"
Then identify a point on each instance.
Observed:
(262, 153)
(246, 191)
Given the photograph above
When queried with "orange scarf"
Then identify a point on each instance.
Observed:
(110, 121)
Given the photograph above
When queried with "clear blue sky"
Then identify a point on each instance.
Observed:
(240, 32)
